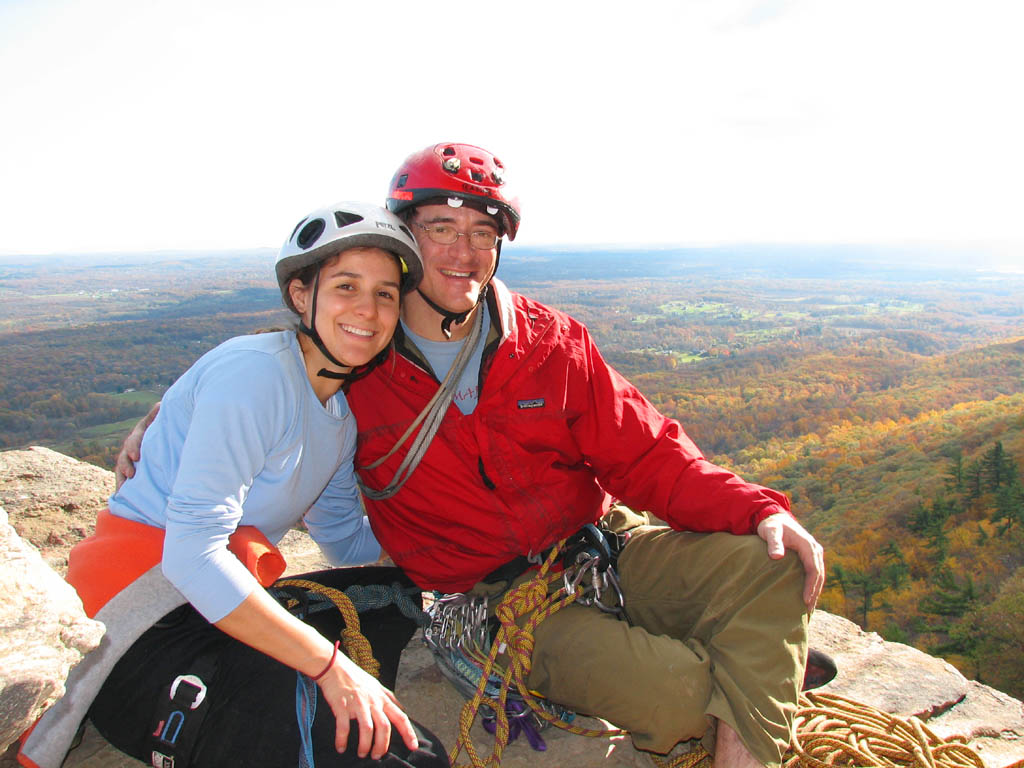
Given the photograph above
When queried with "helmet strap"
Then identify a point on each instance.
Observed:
(447, 316)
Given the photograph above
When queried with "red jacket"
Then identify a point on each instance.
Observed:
(555, 431)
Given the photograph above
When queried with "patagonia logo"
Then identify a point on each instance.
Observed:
(537, 402)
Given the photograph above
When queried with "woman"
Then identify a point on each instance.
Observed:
(252, 438)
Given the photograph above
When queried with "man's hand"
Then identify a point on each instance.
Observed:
(131, 449)
(782, 530)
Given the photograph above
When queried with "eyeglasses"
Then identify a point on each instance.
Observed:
(446, 234)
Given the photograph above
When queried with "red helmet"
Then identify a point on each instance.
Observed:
(459, 172)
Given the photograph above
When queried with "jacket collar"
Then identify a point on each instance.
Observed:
(503, 313)
(498, 303)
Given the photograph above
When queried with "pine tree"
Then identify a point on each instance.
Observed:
(973, 480)
(997, 468)
(950, 601)
(1009, 506)
(955, 475)
(895, 571)
(855, 582)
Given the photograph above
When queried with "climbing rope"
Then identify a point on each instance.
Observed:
(368, 597)
(431, 416)
(531, 598)
(357, 647)
(830, 731)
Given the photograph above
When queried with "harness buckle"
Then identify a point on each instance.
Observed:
(589, 552)
(586, 544)
(194, 682)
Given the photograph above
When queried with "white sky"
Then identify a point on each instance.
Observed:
(188, 124)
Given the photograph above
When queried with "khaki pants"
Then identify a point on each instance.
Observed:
(719, 629)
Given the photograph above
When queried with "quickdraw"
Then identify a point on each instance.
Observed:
(459, 636)
(589, 554)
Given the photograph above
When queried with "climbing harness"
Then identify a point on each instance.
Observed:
(460, 632)
(303, 600)
(179, 715)
(314, 596)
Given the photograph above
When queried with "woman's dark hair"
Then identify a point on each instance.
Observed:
(308, 273)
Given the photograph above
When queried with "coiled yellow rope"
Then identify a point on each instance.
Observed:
(830, 730)
(357, 647)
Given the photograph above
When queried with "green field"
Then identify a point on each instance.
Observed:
(112, 433)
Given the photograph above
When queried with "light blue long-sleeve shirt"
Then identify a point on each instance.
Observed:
(241, 439)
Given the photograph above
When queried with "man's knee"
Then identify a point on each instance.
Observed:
(655, 686)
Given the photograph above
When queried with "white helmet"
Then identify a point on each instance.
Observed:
(328, 231)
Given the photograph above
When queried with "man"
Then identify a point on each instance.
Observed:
(535, 434)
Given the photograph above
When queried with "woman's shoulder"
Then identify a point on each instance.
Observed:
(268, 343)
(258, 363)
(253, 349)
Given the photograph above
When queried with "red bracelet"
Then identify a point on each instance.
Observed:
(330, 663)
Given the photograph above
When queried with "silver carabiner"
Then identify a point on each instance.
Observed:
(572, 576)
(610, 577)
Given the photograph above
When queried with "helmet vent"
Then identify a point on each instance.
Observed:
(476, 161)
(405, 229)
(345, 218)
(448, 151)
(292, 236)
(401, 180)
(476, 175)
(311, 233)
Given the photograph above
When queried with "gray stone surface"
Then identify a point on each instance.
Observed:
(43, 633)
(52, 499)
(875, 671)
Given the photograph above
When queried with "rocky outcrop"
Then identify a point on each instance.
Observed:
(43, 633)
(41, 486)
(52, 499)
(905, 681)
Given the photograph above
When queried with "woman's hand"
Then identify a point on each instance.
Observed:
(353, 694)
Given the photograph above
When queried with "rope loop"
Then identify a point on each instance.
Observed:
(357, 647)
